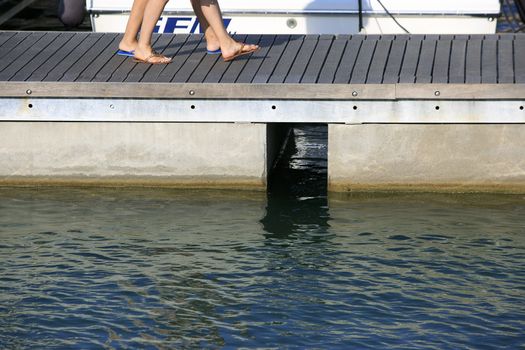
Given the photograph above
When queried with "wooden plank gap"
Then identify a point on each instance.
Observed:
(332, 61)
(72, 57)
(100, 59)
(270, 61)
(314, 67)
(347, 64)
(176, 44)
(88, 58)
(29, 61)
(172, 69)
(302, 59)
(285, 64)
(235, 69)
(255, 63)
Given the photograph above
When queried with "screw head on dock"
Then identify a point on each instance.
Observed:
(437, 93)
(291, 23)
(192, 92)
(355, 94)
(29, 92)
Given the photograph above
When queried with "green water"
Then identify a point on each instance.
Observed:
(158, 269)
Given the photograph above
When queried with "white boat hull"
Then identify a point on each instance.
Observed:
(316, 17)
(312, 24)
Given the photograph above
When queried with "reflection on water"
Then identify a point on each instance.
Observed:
(183, 269)
(297, 202)
(166, 269)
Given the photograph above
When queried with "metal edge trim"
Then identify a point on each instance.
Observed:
(264, 91)
(198, 91)
(460, 91)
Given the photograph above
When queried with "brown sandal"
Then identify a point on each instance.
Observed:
(148, 60)
(239, 52)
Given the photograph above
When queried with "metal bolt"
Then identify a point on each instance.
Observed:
(355, 94)
(437, 93)
(192, 92)
(29, 92)
(112, 106)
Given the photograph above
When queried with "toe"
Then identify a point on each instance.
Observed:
(250, 47)
(162, 60)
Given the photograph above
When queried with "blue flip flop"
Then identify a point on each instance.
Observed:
(126, 53)
(214, 52)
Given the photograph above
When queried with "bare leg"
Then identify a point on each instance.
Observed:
(211, 39)
(152, 14)
(212, 13)
(129, 42)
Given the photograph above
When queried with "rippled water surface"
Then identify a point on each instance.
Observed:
(185, 269)
(165, 269)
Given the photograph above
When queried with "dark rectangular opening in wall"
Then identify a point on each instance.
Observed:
(297, 184)
(297, 159)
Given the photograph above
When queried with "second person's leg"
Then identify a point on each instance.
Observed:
(211, 39)
(129, 42)
(144, 51)
(212, 14)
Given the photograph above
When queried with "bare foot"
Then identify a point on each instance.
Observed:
(147, 55)
(128, 46)
(212, 43)
(236, 49)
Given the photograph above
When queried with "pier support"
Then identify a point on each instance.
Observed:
(405, 111)
(434, 157)
(225, 155)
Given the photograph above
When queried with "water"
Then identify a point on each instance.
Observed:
(164, 269)
(159, 269)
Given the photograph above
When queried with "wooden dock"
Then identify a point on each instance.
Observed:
(387, 59)
(462, 81)
(283, 81)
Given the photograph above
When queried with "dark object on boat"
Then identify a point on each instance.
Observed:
(71, 12)
(512, 16)
(520, 4)
(10, 8)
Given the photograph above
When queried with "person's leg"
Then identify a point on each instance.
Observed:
(211, 39)
(229, 47)
(129, 42)
(152, 13)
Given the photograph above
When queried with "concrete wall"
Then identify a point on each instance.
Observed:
(451, 157)
(172, 154)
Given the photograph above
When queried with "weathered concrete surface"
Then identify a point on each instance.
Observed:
(170, 154)
(468, 157)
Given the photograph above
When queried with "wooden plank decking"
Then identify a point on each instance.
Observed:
(90, 57)
(381, 72)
